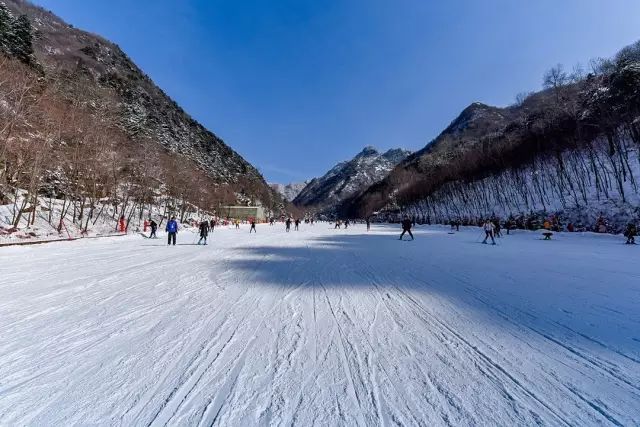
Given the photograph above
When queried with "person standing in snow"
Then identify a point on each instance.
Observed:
(172, 230)
(154, 228)
(212, 224)
(368, 223)
(287, 223)
(488, 228)
(337, 224)
(204, 231)
(253, 227)
(406, 227)
(297, 223)
(496, 224)
(630, 234)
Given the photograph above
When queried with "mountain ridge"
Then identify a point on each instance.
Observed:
(349, 177)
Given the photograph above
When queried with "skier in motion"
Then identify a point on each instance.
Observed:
(253, 227)
(154, 228)
(288, 224)
(488, 228)
(172, 230)
(297, 224)
(406, 227)
(630, 234)
(204, 231)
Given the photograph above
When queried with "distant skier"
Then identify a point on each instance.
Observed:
(488, 228)
(368, 223)
(154, 228)
(271, 221)
(287, 224)
(346, 224)
(630, 234)
(204, 231)
(496, 224)
(172, 230)
(406, 227)
(338, 224)
(253, 226)
(212, 224)
(297, 223)
(237, 224)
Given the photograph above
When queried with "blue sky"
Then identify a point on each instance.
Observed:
(297, 85)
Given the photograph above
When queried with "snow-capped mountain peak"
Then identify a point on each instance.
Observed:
(349, 177)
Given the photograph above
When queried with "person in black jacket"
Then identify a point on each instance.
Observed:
(154, 228)
(630, 234)
(253, 226)
(204, 231)
(406, 227)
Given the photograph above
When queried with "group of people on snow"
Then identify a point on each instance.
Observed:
(492, 227)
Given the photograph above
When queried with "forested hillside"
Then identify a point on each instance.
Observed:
(80, 122)
(571, 149)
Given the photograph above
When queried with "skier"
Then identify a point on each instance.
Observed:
(488, 232)
(630, 234)
(288, 224)
(237, 224)
(406, 227)
(297, 223)
(172, 230)
(368, 223)
(253, 227)
(204, 231)
(496, 223)
(212, 224)
(346, 224)
(154, 227)
(338, 224)
(271, 221)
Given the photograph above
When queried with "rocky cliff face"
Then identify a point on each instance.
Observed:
(348, 178)
(289, 191)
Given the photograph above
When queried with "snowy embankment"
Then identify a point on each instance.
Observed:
(321, 326)
(577, 185)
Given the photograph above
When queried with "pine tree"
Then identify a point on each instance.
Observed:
(22, 43)
(6, 28)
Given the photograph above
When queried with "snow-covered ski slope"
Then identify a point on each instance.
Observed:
(321, 327)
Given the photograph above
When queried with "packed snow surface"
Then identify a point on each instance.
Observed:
(321, 327)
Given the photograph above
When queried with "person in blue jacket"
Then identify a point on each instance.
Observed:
(172, 229)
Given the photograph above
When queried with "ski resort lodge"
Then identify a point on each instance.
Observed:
(243, 213)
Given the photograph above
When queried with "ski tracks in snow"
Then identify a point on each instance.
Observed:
(318, 327)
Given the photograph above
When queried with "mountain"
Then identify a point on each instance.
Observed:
(289, 191)
(348, 178)
(571, 150)
(88, 70)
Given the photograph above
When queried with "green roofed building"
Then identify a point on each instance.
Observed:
(243, 213)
